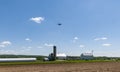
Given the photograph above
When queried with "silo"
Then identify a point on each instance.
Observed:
(54, 52)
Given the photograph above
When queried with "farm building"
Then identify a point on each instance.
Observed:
(61, 56)
(86, 56)
(17, 59)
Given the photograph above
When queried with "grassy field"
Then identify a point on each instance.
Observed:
(54, 62)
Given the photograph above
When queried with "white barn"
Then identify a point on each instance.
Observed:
(86, 56)
(61, 56)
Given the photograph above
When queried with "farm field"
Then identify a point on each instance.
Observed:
(64, 67)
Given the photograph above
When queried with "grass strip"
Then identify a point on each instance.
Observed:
(54, 62)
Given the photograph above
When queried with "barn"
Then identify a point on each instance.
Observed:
(61, 56)
(86, 56)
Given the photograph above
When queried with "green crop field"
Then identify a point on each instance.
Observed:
(53, 62)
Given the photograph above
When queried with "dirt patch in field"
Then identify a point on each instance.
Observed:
(71, 67)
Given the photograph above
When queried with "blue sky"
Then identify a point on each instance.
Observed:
(30, 27)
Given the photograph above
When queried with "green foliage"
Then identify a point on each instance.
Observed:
(23, 56)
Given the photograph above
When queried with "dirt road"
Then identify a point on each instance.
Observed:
(71, 67)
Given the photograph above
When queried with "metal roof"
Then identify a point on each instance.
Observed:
(16, 59)
(87, 54)
(61, 55)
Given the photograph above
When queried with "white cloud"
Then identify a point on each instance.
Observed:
(37, 19)
(2, 46)
(96, 39)
(48, 45)
(8, 52)
(5, 43)
(102, 38)
(82, 46)
(75, 39)
(106, 45)
(22, 50)
(28, 39)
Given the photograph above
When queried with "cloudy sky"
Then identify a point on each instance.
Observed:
(30, 27)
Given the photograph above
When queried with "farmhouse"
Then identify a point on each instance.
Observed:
(86, 56)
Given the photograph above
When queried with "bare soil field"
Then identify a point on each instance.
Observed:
(69, 67)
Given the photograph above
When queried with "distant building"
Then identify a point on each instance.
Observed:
(86, 56)
(17, 59)
(61, 56)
